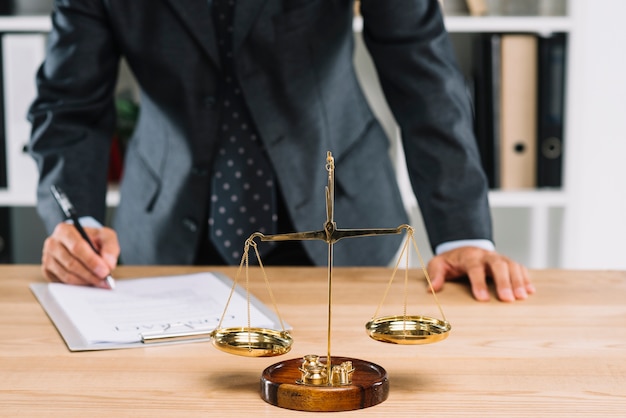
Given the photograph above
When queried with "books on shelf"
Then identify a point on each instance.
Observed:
(551, 107)
(519, 89)
(487, 62)
(518, 112)
(504, 7)
(3, 149)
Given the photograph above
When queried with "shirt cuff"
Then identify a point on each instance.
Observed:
(88, 221)
(485, 244)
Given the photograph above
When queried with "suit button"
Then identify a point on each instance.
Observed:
(190, 225)
(200, 171)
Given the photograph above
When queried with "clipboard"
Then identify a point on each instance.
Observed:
(174, 333)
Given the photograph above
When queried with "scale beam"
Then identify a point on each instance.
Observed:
(330, 234)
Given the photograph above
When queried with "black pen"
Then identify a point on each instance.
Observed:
(70, 213)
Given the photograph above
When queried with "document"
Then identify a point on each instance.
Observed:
(89, 318)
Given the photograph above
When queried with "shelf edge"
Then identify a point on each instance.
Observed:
(25, 24)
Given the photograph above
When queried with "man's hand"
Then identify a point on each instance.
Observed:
(511, 278)
(68, 258)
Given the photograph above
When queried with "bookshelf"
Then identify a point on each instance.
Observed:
(580, 225)
(538, 210)
(583, 220)
(23, 53)
(463, 30)
(23, 49)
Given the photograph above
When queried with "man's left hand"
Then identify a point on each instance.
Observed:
(511, 279)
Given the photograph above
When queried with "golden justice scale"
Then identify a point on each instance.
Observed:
(315, 383)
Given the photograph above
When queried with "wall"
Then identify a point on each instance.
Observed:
(595, 224)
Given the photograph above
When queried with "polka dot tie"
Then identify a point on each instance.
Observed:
(243, 193)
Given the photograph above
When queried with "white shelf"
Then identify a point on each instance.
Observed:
(25, 24)
(534, 24)
(471, 24)
(453, 24)
(527, 198)
(8, 198)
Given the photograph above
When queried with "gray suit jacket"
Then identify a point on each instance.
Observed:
(295, 64)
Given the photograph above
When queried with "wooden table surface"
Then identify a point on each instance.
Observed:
(560, 353)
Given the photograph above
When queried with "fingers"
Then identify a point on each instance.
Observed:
(68, 258)
(520, 281)
(105, 240)
(511, 279)
(478, 281)
(530, 289)
(502, 277)
(437, 273)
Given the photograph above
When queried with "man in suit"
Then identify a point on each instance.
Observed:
(292, 60)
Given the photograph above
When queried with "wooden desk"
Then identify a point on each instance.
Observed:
(560, 353)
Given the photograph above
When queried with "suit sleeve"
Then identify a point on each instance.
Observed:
(427, 96)
(73, 115)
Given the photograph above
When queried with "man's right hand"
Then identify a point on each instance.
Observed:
(68, 258)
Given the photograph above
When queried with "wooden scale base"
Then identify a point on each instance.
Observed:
(369, 387)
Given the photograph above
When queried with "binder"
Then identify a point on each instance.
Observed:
(6, 252)
(518, 111)
(3, 143)
(477, 7)
(552, 52)
(487, 61)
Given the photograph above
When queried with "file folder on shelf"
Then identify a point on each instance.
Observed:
(551, 110)
(487, 104)
(518, 126)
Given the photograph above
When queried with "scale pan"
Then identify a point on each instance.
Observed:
(252, 342)
(408, 330)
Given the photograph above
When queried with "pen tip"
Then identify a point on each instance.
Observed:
(110, 281)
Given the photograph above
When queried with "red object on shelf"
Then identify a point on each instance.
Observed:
(116, 161)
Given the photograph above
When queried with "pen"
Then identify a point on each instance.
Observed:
(70, 213)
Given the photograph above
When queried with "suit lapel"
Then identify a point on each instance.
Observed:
(196, 14)
(244, 18)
